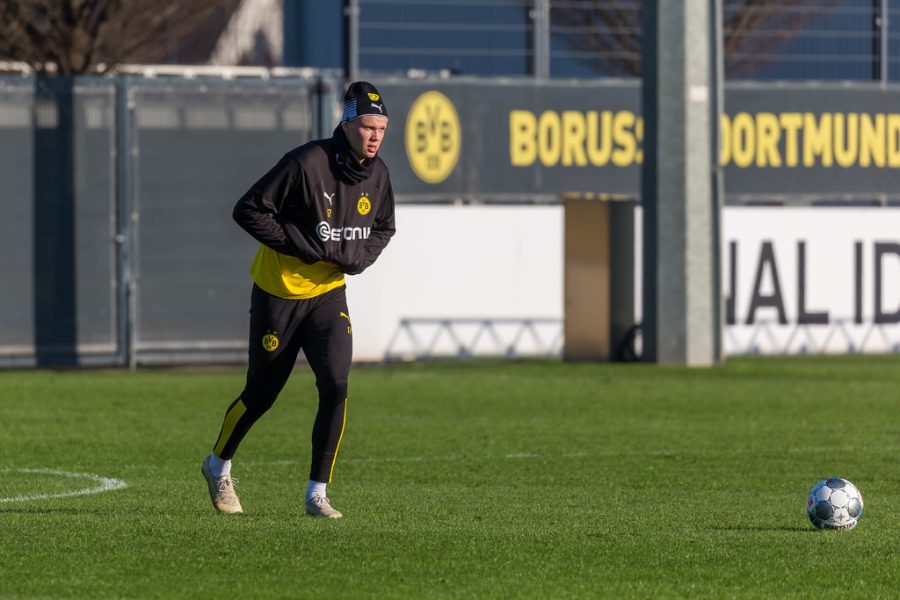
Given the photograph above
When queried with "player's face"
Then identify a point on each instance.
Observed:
(365, 135)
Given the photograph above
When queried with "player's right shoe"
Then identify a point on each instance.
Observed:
(319, 506)
(221, 490)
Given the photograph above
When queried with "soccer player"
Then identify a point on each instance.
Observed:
(325, 210)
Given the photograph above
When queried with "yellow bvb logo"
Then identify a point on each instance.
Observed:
(364, 205)
(433, 137)
(270, 342)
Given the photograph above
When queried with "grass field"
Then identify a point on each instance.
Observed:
(476, 480)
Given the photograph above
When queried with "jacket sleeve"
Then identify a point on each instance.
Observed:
(382, 230)
(259, 212)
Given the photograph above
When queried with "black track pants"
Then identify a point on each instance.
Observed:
(279, 329)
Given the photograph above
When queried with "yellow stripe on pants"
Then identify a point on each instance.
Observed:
(231, 418)
(338, 447)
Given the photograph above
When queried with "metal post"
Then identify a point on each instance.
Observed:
(540, 59)
(883, 24)
(649, 188)
(880, 41)
(351, 14)
(124, 236)
(681, 295)
(717, 107)
(54, 259)
(621, 280)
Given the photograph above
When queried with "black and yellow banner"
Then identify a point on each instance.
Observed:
(500, 139)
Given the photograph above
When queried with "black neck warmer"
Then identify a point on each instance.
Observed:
(347, 162)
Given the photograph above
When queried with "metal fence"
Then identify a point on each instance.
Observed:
(194, 147)
(428, 338)
(57, 164)
(117, 245)
(766, 39)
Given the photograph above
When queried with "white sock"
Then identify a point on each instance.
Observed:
(219, 467)
(315, 488)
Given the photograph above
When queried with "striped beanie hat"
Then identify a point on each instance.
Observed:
(362, 99)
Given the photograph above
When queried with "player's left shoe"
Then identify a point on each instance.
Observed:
(320, 506)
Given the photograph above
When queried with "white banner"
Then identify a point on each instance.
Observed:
(816, 280)
(463, 280)
(488, 280)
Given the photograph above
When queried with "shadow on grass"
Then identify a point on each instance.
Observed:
(48, 511)
(760, 528)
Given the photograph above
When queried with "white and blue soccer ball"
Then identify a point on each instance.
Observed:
(834, 503)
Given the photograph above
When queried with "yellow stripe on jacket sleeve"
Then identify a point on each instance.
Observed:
(233, 415)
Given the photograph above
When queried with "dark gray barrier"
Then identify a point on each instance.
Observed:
(16, 240)
(58, 305)
(117, 244)
(196, 149)
(92, 186)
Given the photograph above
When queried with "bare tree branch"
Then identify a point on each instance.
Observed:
(607, 35)
(76, 36)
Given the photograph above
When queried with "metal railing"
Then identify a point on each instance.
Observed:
(841, 336)
(766, 39)
(430, 338)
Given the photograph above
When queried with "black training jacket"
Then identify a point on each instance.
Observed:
(318, 216)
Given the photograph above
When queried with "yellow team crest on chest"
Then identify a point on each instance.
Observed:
(364, 205)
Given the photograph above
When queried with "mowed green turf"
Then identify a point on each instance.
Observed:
(473, 480)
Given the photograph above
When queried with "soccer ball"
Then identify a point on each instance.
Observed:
(834, 503)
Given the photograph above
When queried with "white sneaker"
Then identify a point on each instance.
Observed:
(319, 506)
(221, 490)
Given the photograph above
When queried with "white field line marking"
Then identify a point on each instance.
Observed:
(670, 453)
(106, 484)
